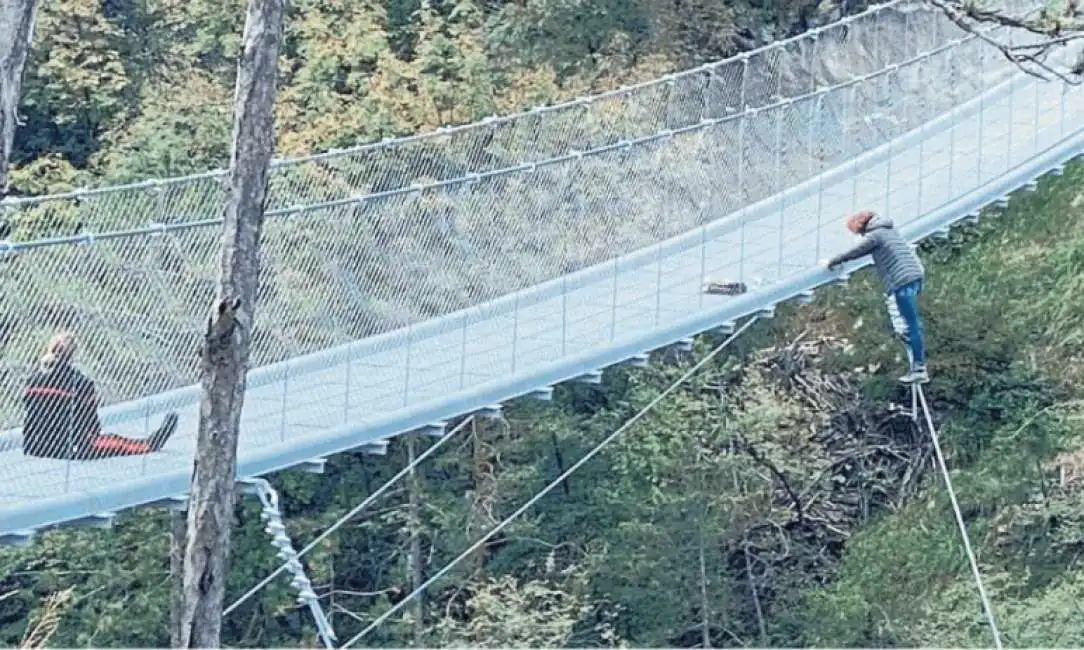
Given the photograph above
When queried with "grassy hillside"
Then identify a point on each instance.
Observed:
(1007, 335)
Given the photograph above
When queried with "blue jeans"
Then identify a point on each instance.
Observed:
(907, 301)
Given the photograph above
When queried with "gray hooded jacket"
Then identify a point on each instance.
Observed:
(896, 262)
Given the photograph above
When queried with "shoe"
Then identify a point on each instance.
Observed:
(918, 375)
(160, 437)
(723, 288)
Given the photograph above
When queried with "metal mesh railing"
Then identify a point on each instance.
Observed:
(871, 41)
(361, 243)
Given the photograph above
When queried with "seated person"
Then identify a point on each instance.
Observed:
(62, 413)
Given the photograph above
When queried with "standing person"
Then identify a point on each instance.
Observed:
(62, 413)
(902, 274)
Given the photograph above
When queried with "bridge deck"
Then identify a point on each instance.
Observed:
(342, 398)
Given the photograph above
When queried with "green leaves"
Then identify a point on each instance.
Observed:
(183, 127)
(75, 81)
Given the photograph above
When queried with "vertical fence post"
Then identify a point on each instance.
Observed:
(1035, 119)
(888, 176)
(582, 210)
(703, 263)
(1061, 121)
(564, 314)
(875, 28)
(515, 331)
(817, 118)
(346, 383)
(952, 129)
(982, 113)
(744, 111)
(658, 283)
(779, 184)
(463, 353)
(741, 252)
(813, 134)
(745, 198)
(921, 154)
(285, 398)
(406, 366)
(147, 430)
(705, 119)
(1008, 136)
(68, 454)
(613, 304)
(857, 117)
(160, 206)
(705, 102)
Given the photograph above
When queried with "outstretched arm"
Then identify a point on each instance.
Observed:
(864, 247)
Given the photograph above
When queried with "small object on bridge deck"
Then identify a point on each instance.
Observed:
(720, 288)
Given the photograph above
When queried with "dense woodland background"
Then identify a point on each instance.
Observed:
(780, 499)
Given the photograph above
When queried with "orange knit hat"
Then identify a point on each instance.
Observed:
(857, 221)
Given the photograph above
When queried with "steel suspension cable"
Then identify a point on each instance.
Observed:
(342, 520)
(553, 484)
(987, 607)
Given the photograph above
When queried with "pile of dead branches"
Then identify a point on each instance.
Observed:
(833, 460)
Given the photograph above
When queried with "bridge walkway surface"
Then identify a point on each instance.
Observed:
(571, 328)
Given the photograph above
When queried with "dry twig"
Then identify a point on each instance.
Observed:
(1055, 26)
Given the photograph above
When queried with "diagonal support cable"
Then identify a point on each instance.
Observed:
(342, 520)
(987, 607)
(553, 484)
(272, 514)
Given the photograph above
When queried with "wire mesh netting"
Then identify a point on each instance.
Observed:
(364, 242)
(420, 228)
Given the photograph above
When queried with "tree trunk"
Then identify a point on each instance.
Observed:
(480, 522)
(761, 626)
(178, 522)
(226, 346)
(705, 603)
(416, 559)
(16, 32)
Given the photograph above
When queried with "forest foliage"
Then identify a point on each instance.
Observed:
(781, 498)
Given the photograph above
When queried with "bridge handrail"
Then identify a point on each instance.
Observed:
(160, 229)
(150, 184)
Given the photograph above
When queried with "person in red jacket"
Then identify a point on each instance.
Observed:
(62, 413)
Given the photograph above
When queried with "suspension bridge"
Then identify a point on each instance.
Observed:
(415, 280)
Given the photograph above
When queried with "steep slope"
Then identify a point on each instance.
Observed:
(1007, 335)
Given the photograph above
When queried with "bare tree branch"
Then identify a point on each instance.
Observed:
(1056, 26)
(766, 463)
